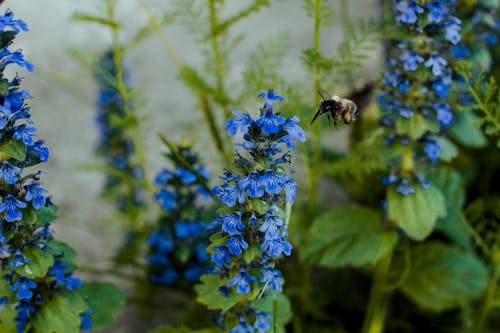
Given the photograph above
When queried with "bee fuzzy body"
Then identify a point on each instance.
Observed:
(337, 107)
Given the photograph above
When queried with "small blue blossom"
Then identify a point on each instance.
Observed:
(186, 176)
(443, 114)
(441, 85)
(167, 276)
(271, 181)
(437, 63)
(242, 282)
(270, 97)
(387, 180)
(35, 194)
(241, 122)
(9, 173)
(70, 282)
(272, 278)
(277, 247)
(437, 12)
(453, 30)
(7, 20)
(231, 223)
(404, 188)
(460, 51)
(18, 260)
(409, 11)
(162, 241)
(290, 187)
(163, 177)
(58, 270)
(431, 149)
(236, 244)
(10, 205)
(271, 226)
(189, 229)
(261, 323)
(295, 132)
(23, 286)
(270, 122)
(489, 38)
(25, 133)
(411, 60)
(242, 327)
(220, 256)
(42, 152)
(86, 321)
(252, 185)
(405, 111)
(166, 199)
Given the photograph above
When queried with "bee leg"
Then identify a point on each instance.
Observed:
(328, 116)
(316, 116)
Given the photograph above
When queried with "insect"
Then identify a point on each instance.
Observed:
(337, 107)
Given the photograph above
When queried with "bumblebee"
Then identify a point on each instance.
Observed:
(337, 107)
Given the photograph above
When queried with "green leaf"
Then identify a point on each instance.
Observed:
(105, 299)
(7, 319)
(209, 294)
(467, 131)
(275, 303)
(454, 224)
(13, 149)
(62, 252)
(443, 277)
(45, 215)
(38, 263)
(447, 150)
(414, 127)
(60, 314)
(184, 329)
(416, 213)
(348, 236)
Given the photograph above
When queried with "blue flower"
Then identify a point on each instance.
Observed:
(35, 193)
(167, 276)
(230, 194)
(241, 122)
(7, 20)
(271, 226)
(10, 204)
(220, 256)
(276, 247)
(242, 327)
(443, 114)
(17, 58)
(42, 152)
(252, 185)
(290, 187)
(236, 244)
(231, 223)
(162, 241)
(58, 270)
(86, 321)
(404, 188)
(188, 229)
(272, 278)
(453, 30)
(437, 63)
(460, 51)
(23, 285)
(387, 180)
(166, 199)
(25, 133)
(489, 38)
(186, 176)
(270, 97)
(431, 149)
(18, 260)
(441, 85)
(408, 12)
(242, 282)
(410, 60)
(295, 132)
(271, 181)
(405, 111)
(9, 173)
(437, 11)
(270, 122)
(71, 282)
(261, 323)
(163, 177)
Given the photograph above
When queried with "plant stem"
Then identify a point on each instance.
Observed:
(379, 298)
(488, 299)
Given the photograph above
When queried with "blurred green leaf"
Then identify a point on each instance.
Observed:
(447, 150)
(348, 236)
(105, 299)
(184, 329)
(443, 277)
(45, 215)
(60, 314)
(467, 131)
(62, 252)
(7, 319)
(95, 19)
(416, 213)
(414, 127)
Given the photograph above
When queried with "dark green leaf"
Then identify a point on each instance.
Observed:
(105, 299)
(62, 252)
(60, 314)
(13, 149)
(417, 213)
(45, 215)
(275, 303)
(414, 127)
(348, 236)
(443, 277)
(7, 319)
(38, 263)
(184, 329)
(467, 131)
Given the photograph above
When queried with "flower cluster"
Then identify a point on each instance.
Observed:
(34, 267)
(116, 123)
(250, 232)
(416, 88)
(178, 243)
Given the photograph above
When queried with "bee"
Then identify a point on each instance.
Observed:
(337, 107)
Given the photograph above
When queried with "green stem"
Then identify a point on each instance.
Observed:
(484, 107)
(379, 298)
(488, 300)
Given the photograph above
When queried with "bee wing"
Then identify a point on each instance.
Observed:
(353, 110)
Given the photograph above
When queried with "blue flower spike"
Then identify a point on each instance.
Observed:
(249, 235)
